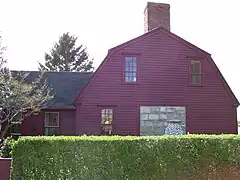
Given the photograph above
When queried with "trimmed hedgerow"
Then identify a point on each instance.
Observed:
(132, 158)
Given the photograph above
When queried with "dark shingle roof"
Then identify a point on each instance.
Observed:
(65, 85)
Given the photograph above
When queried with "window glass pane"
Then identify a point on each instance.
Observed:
(51, 131)
(130, 69)
(196, 66)
(106, 121)
(134, 69)
(134, 61)
(131, 77)
(16, 128)
(134, 79)
(134, 76)
(109, 111)
(103, 120)
(51, 119)
(128, 79)
(107, 116)
(196, 79)
(128, 74)
(128, 61)
(103, 115)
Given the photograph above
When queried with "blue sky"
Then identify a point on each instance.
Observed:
(30, 28)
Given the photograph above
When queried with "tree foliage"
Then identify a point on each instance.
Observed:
(67, 56)
(19, 99)
(2, 59)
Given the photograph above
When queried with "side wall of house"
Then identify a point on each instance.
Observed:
(5, 166)
(34, 125)
(163, 80)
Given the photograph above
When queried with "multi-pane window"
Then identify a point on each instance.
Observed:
(196, 75)
(106, 121)
(51, 123)
(15, 127)
(130, 69)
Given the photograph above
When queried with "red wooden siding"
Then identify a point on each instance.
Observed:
(34, 125)
(5, 165)
(67, 122)
(163, 79)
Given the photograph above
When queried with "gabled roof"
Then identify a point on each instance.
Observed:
(156, 30)
(175, 37)
(65, 85)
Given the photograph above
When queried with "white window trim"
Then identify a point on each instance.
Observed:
(45, 120)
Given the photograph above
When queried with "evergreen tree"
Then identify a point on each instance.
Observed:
(67, 56)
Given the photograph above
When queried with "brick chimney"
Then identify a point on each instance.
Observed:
(155, 15)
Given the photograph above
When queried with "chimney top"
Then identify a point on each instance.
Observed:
(156, 15)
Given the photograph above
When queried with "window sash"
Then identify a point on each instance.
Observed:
(106, 116)
(50, 131)
(196, 75)
(15, 129)
(130, 69)
(195, 67)
(51, 122)
(106, 121)
(130, 76)
(196, 78)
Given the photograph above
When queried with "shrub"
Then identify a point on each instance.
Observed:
(6, 147)
(133, 158)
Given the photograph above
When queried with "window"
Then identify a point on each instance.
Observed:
(15, 128)
(196, 76)
(130, 69)
(106, 121)
(51, 123)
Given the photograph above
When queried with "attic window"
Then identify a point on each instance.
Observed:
(196, 75)
(130, 69)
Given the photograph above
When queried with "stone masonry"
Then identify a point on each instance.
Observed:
(160, 120)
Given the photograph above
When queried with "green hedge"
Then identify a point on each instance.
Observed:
(140, 158)
(6, 147)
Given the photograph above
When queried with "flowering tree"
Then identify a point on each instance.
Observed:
(19, 99)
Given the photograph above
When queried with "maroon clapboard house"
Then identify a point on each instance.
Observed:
(154, 84)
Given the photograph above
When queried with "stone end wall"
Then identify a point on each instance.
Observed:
(160, 120)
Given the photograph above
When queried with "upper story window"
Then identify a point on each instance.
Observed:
(196, 75)
(51, 123)
(106, 121)
(130, 69)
